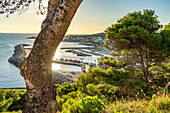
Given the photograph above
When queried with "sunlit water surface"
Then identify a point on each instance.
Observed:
(10, 75)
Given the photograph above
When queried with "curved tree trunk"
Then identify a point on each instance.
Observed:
(36, 69)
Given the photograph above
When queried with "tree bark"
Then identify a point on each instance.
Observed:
(37, 68)
(147, 65)
(143, 67)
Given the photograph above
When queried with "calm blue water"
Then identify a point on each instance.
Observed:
(10, 75)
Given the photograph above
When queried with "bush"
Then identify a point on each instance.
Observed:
(12, 99)
(4, 103)
(103, 91)
(65, 88)
(140, 87)
(72, 95)
(99, 76)
(19, 99)
(66, 91)
(83, 105)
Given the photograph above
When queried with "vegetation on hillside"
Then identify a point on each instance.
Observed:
(90, 35)
(132, 81)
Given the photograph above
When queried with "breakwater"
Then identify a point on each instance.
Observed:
(20, 54)
(67, 63)
(77, 48)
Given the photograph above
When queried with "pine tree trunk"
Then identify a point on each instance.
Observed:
(37, 68)
(145, 76)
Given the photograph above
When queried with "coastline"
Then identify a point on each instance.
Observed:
(94, 47)
(21, 53)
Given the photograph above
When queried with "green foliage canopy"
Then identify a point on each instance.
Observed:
(138, 34)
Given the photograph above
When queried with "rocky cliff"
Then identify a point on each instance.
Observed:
(18, 56)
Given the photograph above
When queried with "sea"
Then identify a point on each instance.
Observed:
(10, 75)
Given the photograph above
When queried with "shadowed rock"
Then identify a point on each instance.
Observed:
(18, 56)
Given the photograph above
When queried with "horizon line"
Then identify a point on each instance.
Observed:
(65, 34)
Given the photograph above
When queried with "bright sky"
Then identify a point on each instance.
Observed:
(93, 16)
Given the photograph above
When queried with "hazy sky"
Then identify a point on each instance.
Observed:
(93, 16)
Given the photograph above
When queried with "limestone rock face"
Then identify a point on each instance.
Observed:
(18, 56)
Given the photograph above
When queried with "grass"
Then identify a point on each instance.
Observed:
(157, 104)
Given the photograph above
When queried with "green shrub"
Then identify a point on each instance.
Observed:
(83, 105)
(4, 103)
(65, 88)
(12, 99)
(103, 91)
(141, 88)
(72, 95)
(98, 75)
(19, 99)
